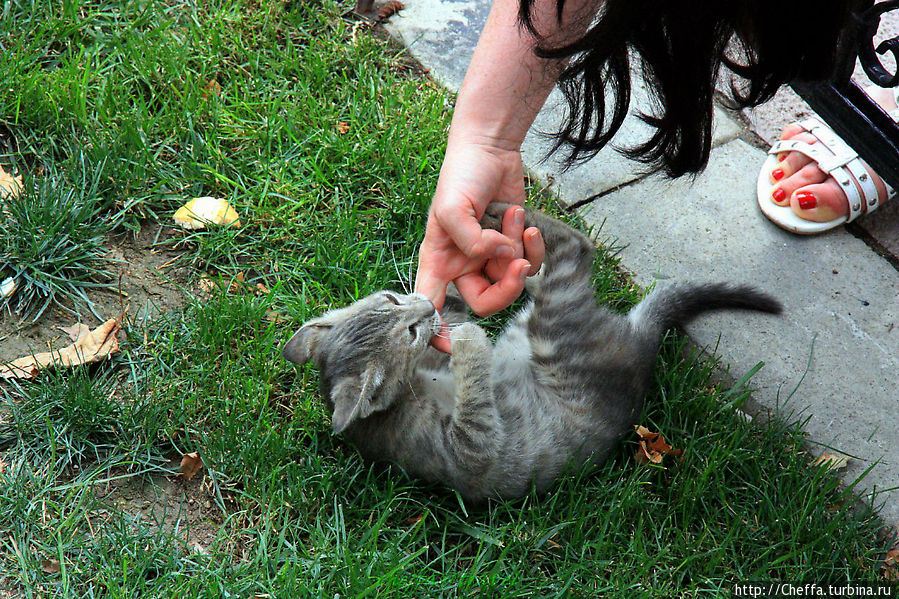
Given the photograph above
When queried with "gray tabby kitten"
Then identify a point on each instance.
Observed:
(563, 382)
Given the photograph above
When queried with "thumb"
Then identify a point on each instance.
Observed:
(475, 242)
(432, 286)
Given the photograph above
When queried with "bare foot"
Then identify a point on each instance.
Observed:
(813, 194)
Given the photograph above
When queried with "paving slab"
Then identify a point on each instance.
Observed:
(833, 358)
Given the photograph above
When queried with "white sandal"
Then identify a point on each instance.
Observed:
(841, 162)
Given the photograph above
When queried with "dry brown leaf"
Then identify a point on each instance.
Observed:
(832, 461)
(10, 187)
(414, 520)
(50, 566)
(3, 465)
(212, 88)
(261, 289)
(76, 331)
(652, 447)
(891, 566)
(191, 464)
(390, 8)
(92, 347)
(277, 317)
(343, 127)
(238, 283)
(205, 287)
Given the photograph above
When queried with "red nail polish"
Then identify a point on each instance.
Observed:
(782, 157)
(779, 195)
(778, 174)
(807, 200)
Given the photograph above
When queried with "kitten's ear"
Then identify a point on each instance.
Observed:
(301, 346)
(352, 397)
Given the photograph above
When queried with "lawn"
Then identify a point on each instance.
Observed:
(327, 140)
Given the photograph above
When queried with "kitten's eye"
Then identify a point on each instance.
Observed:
(392, 299)
(413, 331)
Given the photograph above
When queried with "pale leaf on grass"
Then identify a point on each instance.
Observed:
(76, 331)
(7, 287)
(10, 187)
(191, 464)
(200, 212)
(832, 461)
(96, 345)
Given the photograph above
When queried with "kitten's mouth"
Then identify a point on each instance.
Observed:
(431, 325)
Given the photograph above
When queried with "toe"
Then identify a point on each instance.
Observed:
(809, 174)
(820, 202)
(791, 131)
(791, 162)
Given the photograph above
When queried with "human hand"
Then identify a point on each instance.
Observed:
(489, 267)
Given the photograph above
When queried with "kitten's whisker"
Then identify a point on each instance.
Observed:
(403, 283)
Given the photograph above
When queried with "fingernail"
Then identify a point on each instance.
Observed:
(524, 272)
(519, 217)
(504, 252)
(779, 194)
(782, 157)
(807, 200)
(778, 174)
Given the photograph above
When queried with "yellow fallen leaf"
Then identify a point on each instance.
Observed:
(261, 289)
(191, 464)
(91, 347)
(199, 212)
(343, 127)
(832, 461)
(10, 187)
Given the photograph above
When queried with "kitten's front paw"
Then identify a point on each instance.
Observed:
(468, 338)
(493, 216)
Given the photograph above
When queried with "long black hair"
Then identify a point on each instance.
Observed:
(681, 46)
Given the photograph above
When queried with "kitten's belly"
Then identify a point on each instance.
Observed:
(438, 386)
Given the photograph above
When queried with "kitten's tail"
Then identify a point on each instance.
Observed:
(676, 305)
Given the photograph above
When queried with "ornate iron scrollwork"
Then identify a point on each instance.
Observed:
(868, 22)
(843, 104)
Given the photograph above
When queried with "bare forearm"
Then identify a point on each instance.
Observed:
(506, 83)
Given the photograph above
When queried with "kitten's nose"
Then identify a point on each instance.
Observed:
(425, 306)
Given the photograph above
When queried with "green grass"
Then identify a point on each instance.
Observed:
(119, 95)
(52, 244)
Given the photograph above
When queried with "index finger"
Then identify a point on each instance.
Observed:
(485, 298)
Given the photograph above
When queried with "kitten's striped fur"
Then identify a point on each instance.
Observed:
(562, 383)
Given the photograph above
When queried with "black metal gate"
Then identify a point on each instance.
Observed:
(861, 122)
